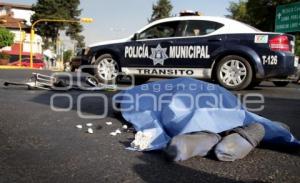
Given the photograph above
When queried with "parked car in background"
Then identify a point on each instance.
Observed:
(37, 63)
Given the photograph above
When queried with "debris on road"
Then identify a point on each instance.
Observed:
(89, 124)
(118, 131)
(115, 133)
(90, 130)
(79, 126)
(109, 123)
(142, 140)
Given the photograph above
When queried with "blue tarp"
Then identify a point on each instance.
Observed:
(184, 105)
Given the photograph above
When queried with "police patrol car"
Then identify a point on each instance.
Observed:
(233, 53)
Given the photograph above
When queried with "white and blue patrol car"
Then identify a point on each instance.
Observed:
(233, 53)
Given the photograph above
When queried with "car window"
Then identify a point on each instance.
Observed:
(201, 27)
(163, 30)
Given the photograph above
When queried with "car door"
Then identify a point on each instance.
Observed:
(151, 47)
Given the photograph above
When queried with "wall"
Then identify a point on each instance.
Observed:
(36, 46)
(23, 14)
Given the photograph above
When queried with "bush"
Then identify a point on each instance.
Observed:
(4, 56)
(6, 37)
(68, 55)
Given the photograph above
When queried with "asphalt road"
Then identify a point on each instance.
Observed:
(38, 144)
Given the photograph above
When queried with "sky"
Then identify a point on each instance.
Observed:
(114, 19)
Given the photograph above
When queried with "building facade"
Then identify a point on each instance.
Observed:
(16, 18)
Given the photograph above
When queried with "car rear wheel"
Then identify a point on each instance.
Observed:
(106, 69)
(281, 83)
(234, 72)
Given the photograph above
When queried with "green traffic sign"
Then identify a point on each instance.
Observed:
(288, 18)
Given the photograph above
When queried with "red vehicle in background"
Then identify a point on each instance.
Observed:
(37, 63)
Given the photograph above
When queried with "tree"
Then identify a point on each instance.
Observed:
(263, 13)
(260, 14)
(238, 11)
(67, 55)
(57, 9)
(162, 9)
(6, 37)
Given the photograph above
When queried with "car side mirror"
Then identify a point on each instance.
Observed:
(135, 37)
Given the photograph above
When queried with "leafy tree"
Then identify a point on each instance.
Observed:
(238, 11)
(6, 37)
(57, 9)
(263, 13)
(162, 9)
(260, 14)
(67, 55)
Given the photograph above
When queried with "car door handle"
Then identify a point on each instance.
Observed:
(215, 40)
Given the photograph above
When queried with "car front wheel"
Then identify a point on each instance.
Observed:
(106, 69)
(234, 72)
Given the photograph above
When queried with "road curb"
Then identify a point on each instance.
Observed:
(16, 68)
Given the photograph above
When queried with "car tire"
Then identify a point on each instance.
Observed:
(234, 72)
(106, 69)
(281, 83)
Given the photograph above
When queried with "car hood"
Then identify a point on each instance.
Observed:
(109, 42)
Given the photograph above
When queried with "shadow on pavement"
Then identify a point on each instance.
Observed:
(90, 104)
(156, 169)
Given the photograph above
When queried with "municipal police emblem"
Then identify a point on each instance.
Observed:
(158, 55)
